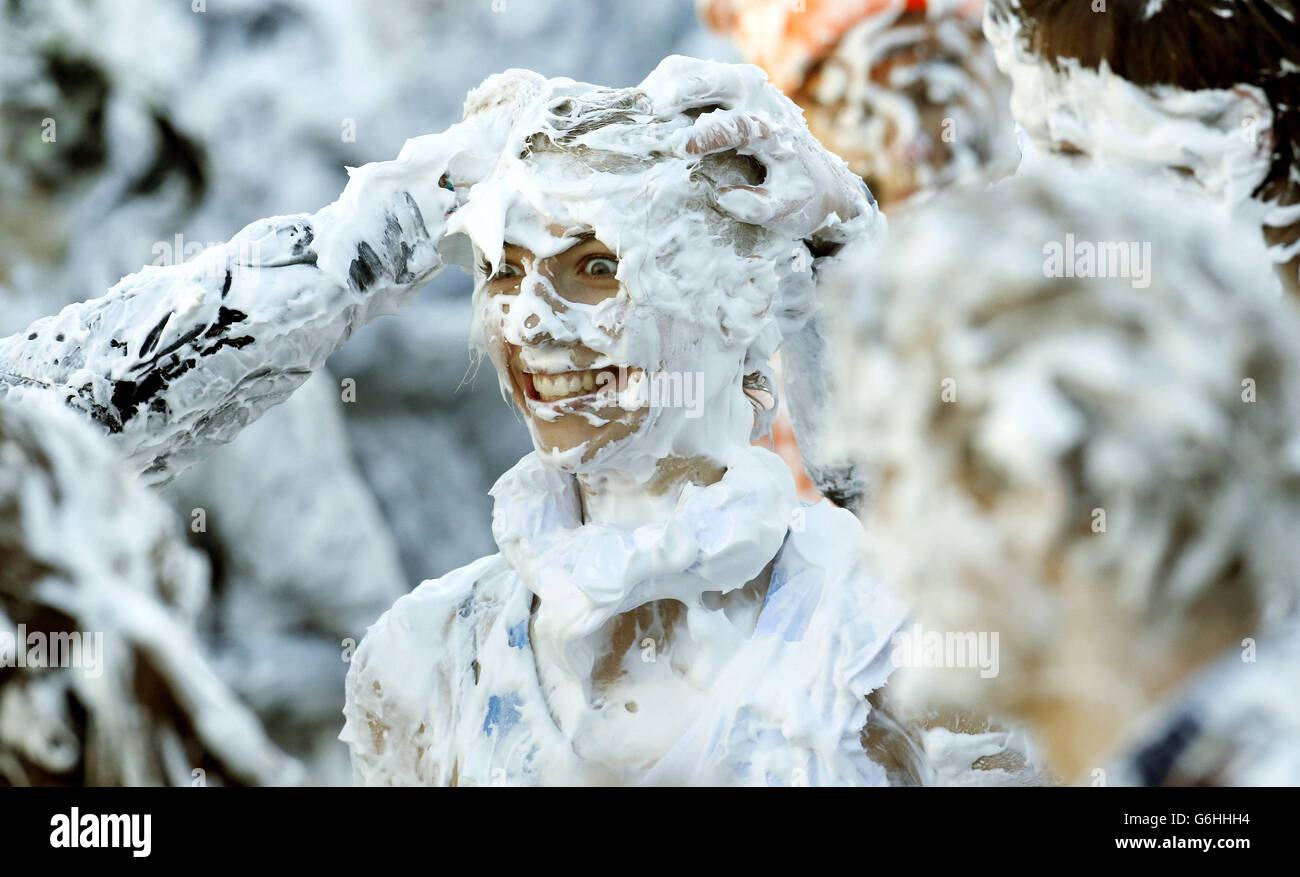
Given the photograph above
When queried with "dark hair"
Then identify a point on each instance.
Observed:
(1190, 44)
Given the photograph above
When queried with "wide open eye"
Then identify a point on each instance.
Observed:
(506, 278)
(600, 266)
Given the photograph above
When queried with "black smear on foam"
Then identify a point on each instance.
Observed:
(404, 274)
(300, 247)
(365, 267)
(1156, 761)
(184, 339)
(237, 343)
(151, 340)
(368, 266)
(99, 413)
(225, 317)
(392, 232)
(129, 395)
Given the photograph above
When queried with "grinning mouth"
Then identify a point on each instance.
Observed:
(568, 385)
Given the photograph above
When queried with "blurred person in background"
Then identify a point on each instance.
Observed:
(1204, 92)
(906, 91)
(103, 681)
(1079, 403)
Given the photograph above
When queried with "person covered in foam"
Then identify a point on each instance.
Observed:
(1099, 469)
(663, 609)
(1206, 93)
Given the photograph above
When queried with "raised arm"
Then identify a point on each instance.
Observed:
(177, 359)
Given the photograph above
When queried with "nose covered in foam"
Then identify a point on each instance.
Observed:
(536, 314)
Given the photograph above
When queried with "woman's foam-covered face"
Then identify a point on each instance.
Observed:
(555, 347)
(615, 308)
(597, 368)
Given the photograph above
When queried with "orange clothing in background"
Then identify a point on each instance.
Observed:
(788, 37)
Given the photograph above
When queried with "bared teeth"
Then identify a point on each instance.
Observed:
(552, 387)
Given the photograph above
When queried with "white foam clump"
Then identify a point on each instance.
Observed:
(455, 685)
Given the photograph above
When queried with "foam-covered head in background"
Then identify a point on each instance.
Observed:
(1204, 93)
(1079, 405)
(639, 254)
